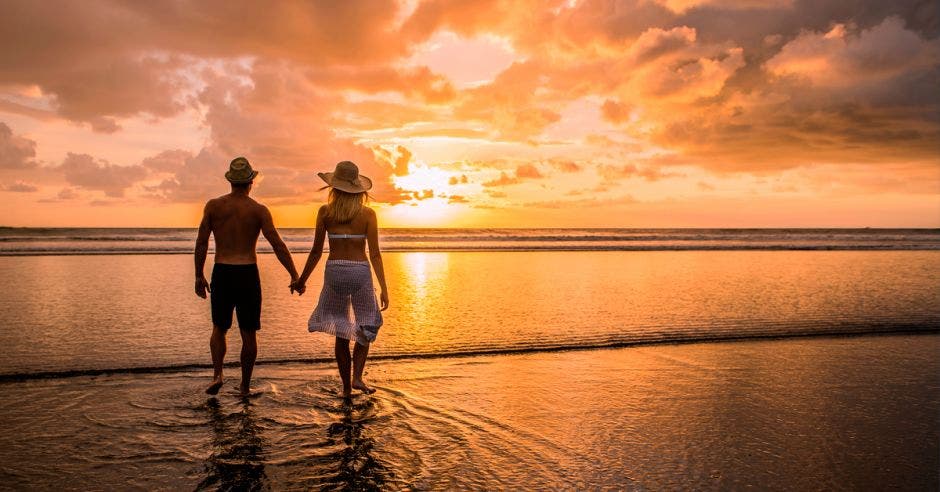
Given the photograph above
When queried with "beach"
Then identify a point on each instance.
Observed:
(716, 369)
(856, 413)
(625, 245)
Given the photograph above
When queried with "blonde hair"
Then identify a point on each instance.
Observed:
(342, 207)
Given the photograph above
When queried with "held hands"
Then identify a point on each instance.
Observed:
(202, 286)
(298, 286)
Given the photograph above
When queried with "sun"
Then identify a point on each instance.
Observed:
(421, 178)
(429, 204)
(431, 212)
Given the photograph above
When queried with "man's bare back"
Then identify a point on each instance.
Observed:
(235, 220)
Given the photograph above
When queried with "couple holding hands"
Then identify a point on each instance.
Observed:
(347, 308)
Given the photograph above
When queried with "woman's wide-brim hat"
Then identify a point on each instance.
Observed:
(346, 178)
(240, 171)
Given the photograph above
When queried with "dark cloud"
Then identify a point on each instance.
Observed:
(168, 161)
(728, 86)
(201, 177)
(104, 60)
(66, 194)
(15, 152)
(84, 171)
(19, 187)
(841, 95)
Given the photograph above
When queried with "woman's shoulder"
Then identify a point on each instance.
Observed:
(368, 211)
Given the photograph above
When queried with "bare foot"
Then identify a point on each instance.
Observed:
(214, 388)
(359, 385)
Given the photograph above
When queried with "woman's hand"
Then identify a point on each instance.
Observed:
(298, 286)
(383, 299)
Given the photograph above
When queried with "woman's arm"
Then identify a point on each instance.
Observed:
(372, 235)
(315, 252)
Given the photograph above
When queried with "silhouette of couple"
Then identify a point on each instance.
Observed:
(347, 307)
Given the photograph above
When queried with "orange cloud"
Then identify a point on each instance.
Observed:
(15, 152)
(84, 171)
(825, 97)
(19, 187)
(523, 172)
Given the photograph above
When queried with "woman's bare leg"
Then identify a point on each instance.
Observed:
(359, 364)
(343, 362)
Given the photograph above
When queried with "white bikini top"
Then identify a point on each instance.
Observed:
(346, 236)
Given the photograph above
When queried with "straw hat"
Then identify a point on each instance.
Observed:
(346, 178)
(240, 172)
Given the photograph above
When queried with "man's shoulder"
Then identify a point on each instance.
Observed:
(260, 207)
(219, 199)
(213, 203)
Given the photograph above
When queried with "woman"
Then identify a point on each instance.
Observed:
(347, 280)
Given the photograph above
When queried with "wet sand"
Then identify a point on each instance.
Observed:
(814, 413)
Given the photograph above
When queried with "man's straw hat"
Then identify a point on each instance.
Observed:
(240, 172)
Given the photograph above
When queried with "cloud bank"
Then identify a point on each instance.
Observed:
(636, 99)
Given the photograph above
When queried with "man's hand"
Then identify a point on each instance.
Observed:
(202, 286)
(383, 299)
(297, 286)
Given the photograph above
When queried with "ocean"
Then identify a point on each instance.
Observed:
(61, 241)
(522, 358)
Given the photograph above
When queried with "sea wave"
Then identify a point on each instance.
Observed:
(20, 242)
(497, 247)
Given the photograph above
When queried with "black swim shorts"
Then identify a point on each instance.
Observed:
(236, 287)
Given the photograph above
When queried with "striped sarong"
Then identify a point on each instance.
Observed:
(347, 307)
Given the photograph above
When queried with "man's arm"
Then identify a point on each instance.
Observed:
(280, 249)
(202, 249)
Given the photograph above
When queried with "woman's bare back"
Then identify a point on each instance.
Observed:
(350, 248)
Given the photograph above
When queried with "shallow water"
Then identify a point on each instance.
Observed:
(74, 313)
(854, 413)
(798, 413)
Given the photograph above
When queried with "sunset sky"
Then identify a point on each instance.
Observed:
(669, 113)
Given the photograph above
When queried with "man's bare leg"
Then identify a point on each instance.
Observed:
(249, 353)
(343, 362)
(217, 348)
(359, 364)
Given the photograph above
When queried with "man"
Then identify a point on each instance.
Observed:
(235, 220)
